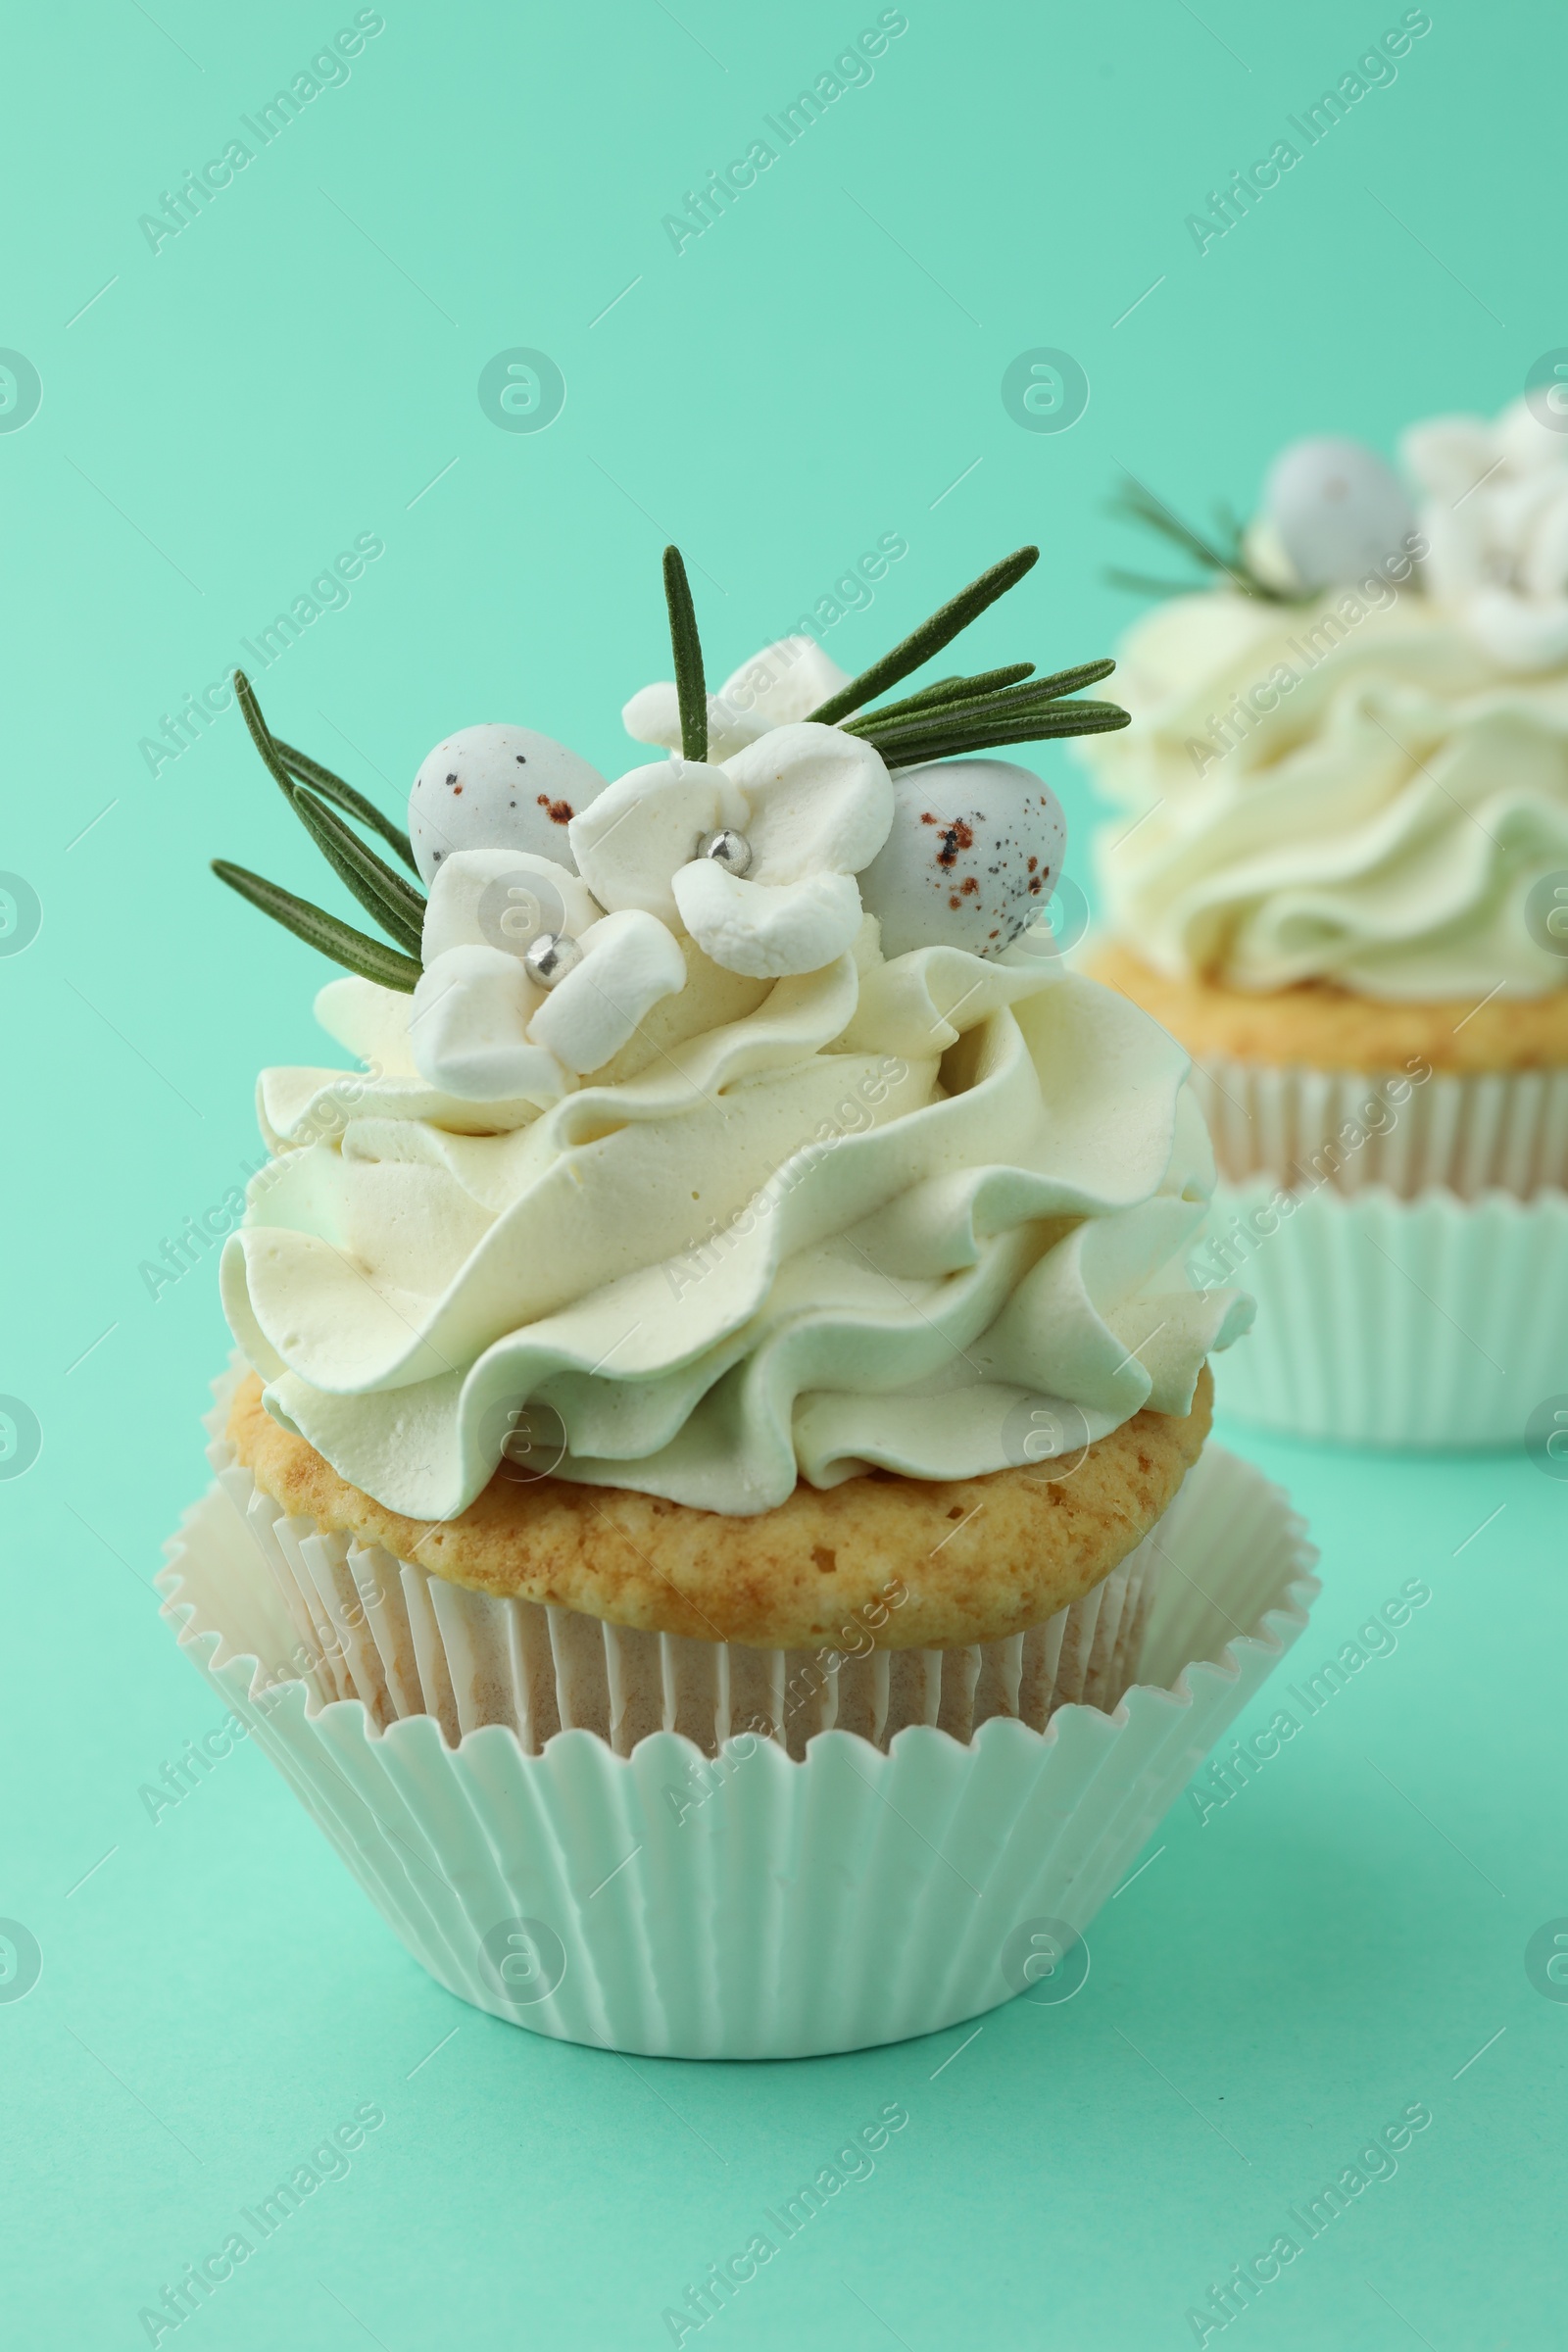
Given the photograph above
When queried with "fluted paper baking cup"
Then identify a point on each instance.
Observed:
(756, 1905)
(1390, 1322)
(1498, 1130)
(405, 1643)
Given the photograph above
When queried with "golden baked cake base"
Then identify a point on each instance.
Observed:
(975, 1561)
(1325, 1028)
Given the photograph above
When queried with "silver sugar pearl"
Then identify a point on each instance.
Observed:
(729, 849)
(547, 959)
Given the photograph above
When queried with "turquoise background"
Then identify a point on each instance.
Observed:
(219, 419)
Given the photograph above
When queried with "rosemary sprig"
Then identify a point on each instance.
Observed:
(960, 736)
(394, 904)
(1144, 583)
(1225, 553)
(690, 686)
(1020, 703)
(958, 714)
(307, 770)
(955, 690)
(973, 715)
(288, 768)
(260, 734)
(952, 716)
(385, 895)
(929, 638)
(1066, 681)
(350, 948)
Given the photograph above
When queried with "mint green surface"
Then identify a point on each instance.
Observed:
(300, 366)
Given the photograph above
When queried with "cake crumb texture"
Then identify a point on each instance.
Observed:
(961, 1560)
(1319, 1026)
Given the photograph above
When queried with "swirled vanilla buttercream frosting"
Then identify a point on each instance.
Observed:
(654, 1148)
(1349, 761)
(858, 1216)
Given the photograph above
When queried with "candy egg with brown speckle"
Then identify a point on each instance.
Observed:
(973, 856)
(497, 788)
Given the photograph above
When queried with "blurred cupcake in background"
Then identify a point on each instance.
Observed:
(1339, 875)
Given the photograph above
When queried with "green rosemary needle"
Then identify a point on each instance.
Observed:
(394, 904)
(307, 770)
(930, 637)
(952, 690)
(288, 767)
(1136, 502)
(959, 738)
(385, 895)
(260, 734)
(690, 686)
(343, 945)
(906, 733)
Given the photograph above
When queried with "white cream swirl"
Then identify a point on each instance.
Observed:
(1352, 790)
(862, 1216)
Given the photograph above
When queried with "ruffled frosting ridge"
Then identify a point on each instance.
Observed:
(1334, 792)
(863, 1216)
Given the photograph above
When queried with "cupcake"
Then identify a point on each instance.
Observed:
(719, 1408)
(1339, 876)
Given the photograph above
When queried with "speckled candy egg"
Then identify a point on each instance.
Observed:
(973, 856)
(497, 788)
(1336, 510)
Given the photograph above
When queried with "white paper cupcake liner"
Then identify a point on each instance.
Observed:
(753, 1905)
(1505, 1130)
(1390, 1322)
(370, 1627)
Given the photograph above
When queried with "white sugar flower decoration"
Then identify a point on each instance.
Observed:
(1496, 521)
(528, 984)
(783, 683)
(754, 854)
